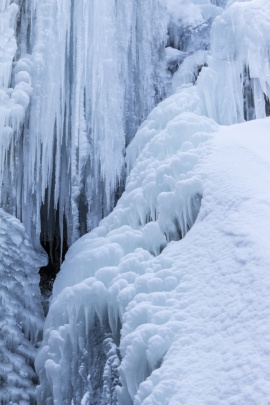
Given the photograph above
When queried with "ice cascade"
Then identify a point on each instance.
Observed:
(91, 76)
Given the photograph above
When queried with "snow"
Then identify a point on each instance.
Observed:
(21, 313)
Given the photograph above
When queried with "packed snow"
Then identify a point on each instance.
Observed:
(21, 318)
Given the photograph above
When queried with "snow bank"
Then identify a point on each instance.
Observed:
(21, 313)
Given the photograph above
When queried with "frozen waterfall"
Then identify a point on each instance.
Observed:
(93, 75)
(127, 118)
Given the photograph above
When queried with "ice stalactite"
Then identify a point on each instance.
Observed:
(89, 375)
(21, 318)
(16, 90)
(96, 76)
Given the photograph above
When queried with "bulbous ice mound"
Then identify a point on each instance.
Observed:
(160, 204)
(192, 319)
(21, 312)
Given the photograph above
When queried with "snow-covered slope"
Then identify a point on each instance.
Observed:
(178, 275)
(21, 315)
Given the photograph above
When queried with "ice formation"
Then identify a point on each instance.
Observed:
(177, 275)
(165, 301)
(194, 317)
(21, 318)
(96, 76)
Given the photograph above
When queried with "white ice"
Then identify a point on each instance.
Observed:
(194, 317)
(177, 274)
(95, 78)
(21, 318)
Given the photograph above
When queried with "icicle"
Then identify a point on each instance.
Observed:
(93, 84)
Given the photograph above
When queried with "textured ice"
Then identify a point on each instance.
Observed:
(21, 318)
(177, 274)
(75, 87)
(232, 72)
(96, 76)
(166, 301)
(194, 317)
(239, 62)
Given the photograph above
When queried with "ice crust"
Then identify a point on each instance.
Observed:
(21, 318)
(179, 270)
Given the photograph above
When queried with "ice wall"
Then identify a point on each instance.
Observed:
(95, 77)
(21, 313)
